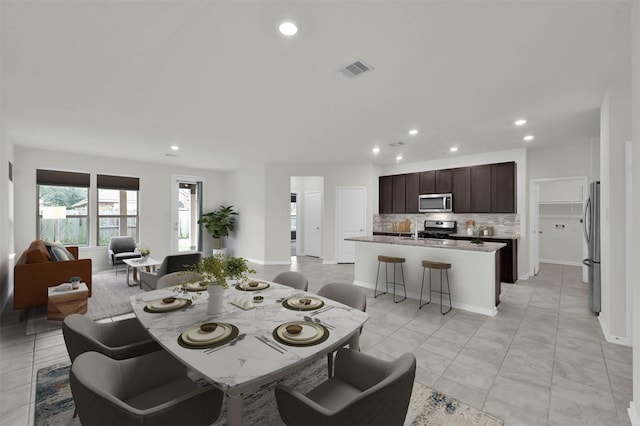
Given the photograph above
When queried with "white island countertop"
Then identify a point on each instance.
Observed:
(474, 273)
(486, 247)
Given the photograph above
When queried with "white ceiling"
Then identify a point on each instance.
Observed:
(130, 78)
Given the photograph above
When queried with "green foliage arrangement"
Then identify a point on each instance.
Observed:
(219, 222)
(217, 269)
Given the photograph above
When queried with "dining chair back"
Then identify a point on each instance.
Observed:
(118, 340)
(152, 389)
(176, 278)
(292, 279)
(350, 295)
(365, 391)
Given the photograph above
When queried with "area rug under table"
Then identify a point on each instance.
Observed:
(54, 403)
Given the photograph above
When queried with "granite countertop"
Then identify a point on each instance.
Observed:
(513, 236)
(430, 242)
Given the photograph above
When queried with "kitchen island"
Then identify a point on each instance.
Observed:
(474, 275)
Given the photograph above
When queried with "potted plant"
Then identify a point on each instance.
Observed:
(218, 224)
(214, 271)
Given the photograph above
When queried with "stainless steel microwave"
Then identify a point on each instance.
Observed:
(435, 203)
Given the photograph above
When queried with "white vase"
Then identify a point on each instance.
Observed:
(219, 251)
(215, 304)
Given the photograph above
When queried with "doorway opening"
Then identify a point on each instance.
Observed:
(557, 207)
(187, 210)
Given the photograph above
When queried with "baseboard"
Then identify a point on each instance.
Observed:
(634, 415)
(329, 262)
(618, 340)
(561, 262)
(524, 277)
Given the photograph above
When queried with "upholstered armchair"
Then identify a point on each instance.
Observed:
(364, 391)
(121, 248)
(170, 264)
(152, 389)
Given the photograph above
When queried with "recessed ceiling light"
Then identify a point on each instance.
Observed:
(376, 150)
(413, 132)
(288, 28)
(175, 147)
(399, 157)
(453, 149)
(528, 138)
(520, 122)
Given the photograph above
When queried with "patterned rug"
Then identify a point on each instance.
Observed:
(54, 403)
(110, 297)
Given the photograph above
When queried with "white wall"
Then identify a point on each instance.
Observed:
(615, 130)
(518, 155)
(635, 49)
(247, 193)
(7, 247)
(155, 195)
(565, 159)
(278, 185)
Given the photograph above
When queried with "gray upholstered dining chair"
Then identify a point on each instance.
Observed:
(176, 278)
(152, 389)
(347, 294)
(292, 279)
(117, 340)
(364, 391)
(171, 263)
(121, 248)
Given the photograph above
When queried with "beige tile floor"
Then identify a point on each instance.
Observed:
(541, 361)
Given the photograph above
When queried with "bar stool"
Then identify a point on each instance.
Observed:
(394, 261)
(427, 264)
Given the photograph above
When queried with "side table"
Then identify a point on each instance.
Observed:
(66, 302)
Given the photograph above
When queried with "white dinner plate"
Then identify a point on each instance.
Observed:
(195, 335)
(159, 305)
(310, 332)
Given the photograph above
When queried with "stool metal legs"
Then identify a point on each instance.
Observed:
(394, 283)
(441, 291)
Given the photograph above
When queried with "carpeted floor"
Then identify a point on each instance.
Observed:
(54, 403)
(110, 297)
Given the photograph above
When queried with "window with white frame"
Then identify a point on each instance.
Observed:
(63, 207)
(117, 207)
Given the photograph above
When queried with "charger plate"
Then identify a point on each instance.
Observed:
(312, 334)
(294, 304)
(246, 287)
(158, 306)
(194, 338)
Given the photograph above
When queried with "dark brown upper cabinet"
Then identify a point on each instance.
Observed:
(481, 189)
(461, 178)
(385, 199)
(436, 181)
(503, 189)
(399, 187)
(412, 191)
(444, 181)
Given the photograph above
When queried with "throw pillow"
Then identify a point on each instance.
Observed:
(59, 252)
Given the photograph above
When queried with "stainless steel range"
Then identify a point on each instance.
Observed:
(438, 228)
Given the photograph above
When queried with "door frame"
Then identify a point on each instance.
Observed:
(534, 222)
(175, 179)
(364, 214)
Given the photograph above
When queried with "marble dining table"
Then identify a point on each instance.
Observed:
(258, 358)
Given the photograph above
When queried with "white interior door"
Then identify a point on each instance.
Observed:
(312, 223)
(350, 220)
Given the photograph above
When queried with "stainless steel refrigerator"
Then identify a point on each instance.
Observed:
(591, 222)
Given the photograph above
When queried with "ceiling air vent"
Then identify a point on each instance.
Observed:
(399, 143)
(355, 69)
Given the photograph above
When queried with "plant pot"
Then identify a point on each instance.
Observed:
(215, 304)
(219, 251)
